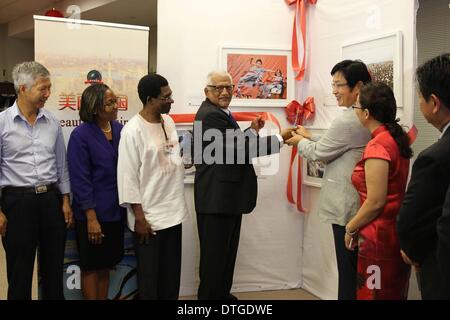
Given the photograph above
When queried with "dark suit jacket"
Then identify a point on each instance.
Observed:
(92, 163)
(443, 246)
(421, 210)
(225, 186)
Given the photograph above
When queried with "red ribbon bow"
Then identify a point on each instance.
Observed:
(296, 113)
(301, 10)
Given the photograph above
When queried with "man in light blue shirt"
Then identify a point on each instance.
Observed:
(34, 181)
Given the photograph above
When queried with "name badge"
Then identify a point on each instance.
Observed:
(168, 148)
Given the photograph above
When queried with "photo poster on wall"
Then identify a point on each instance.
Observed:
(383, 56)
(262, 77)
(78, 54)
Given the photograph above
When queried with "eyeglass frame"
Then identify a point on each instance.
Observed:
(229, 88)
(338, 85)
(111, 104)
(165, 99)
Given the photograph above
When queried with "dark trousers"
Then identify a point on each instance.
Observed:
(219, 241)
(159, 265)
(34, 220)
(347, 265)
(431, 283)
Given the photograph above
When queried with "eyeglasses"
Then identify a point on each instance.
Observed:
(355, 107)
(219, 89)
(166, 98)
(338, 85)
(110, 103)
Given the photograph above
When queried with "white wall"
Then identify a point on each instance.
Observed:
(189, 35)
(332, 23)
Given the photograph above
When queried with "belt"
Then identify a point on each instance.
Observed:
(43, 188)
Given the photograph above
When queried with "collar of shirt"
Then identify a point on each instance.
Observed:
(345, 109)
(445, 129)
(15, 112)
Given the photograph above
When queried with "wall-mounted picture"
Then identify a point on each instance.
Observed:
(312, 172)
(186, 141)
(261, 77)
(384, 58)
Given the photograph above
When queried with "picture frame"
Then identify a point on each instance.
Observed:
(383, 54)
(262, 77)
(313, 170)
(185, 139)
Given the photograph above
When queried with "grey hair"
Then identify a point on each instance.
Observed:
(26, 73)
(220, 73)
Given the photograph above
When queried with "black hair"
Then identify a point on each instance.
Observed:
(379, 99)
(353, 71)
(92, 101)
(150, 86)
(259, 61)
(433, 77)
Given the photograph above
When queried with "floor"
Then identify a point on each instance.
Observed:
(297, 294)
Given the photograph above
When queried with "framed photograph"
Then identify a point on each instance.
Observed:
(261, 77)
(384, 57)
(186, 141)
(312, 172)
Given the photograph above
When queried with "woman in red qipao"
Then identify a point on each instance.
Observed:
(380, 179)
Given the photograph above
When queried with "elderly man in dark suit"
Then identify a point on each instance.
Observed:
(225, 182)
(421, 222)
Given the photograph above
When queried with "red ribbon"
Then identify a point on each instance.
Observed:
(301, 10)
(412, 134)
(238, 116)
(296, 113)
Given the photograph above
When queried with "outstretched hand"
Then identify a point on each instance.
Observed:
(257, 123)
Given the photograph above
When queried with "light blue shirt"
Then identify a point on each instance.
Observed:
(32, 155)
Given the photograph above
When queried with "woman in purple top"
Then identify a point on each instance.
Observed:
(92, 156)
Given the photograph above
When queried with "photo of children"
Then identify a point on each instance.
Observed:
(258, 76)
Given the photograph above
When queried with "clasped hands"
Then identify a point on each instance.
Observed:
(296, 134)
(291, 136)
